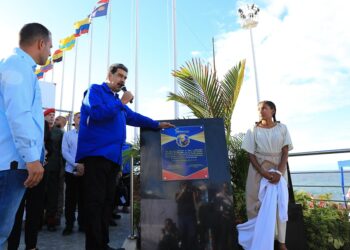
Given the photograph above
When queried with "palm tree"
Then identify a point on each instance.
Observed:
(204, 94)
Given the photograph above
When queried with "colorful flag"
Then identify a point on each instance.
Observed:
(100, 11)
(67, 43)
(46, 68)
(82, 27)
(103, 1)
(57, 56)
(39, 73)
(48, 61)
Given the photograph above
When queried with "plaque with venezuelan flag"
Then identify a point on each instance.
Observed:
(183, 153)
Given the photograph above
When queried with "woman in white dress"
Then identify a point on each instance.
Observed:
(268, 144)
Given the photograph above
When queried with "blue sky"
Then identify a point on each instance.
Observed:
(303, 58)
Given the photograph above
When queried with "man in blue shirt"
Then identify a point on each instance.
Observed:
(101, 136)
(73, 179)
(21, 122)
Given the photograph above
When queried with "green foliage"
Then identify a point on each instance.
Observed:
(204, 94)
(134, 152)
(239, 163)
(327, 224)
(137, 213)
(207, 97)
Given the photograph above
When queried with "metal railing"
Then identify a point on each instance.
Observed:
(321, 152)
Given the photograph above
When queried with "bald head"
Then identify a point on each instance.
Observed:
(60, 121)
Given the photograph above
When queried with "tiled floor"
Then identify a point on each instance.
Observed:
(76, 241)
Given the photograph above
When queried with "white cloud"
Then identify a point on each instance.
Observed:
(164, 90)
(10, 42)
(155, 107)
(195, 53)
(303, 63)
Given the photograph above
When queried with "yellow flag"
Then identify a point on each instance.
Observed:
(80, 23)
(67, 43)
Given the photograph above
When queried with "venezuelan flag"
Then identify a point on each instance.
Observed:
(67, 43)
(57, 56)
(82, 27)
(39, 73)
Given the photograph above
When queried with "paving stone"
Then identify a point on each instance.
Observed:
(76, 241)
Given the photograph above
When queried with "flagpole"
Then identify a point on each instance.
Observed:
(136, 63)
(53, 70)
(109, 31)
(62, 80)
(175, 58)
(90, 56)
(75, 73)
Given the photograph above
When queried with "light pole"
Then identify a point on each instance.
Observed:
(249, 20)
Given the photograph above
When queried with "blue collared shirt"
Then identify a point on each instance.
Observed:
(69, 149)
(103, 120)
(21, 117)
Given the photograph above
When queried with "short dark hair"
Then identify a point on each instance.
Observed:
(114, 67)
(32, 32)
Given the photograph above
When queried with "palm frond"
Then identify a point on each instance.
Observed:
(200, 85)
(204, 94)
(231, 85)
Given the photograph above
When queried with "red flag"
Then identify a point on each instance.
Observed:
(102, 1)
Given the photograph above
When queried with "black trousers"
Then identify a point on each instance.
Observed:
(123, 190)
(51, 195)
(74, 197)
(100, 181)
(33, 202)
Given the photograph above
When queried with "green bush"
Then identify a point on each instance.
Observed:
(327, 224)
(239, 162)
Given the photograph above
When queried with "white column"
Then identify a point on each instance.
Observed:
(136, 130)
(75, 74)
(62, 79)
(175, 59)
(90, 54)
(109, 31)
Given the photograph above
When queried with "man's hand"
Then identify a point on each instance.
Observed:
(45, 160)
(127, 97)
(35, 174)
(166, 125)
(80, 169)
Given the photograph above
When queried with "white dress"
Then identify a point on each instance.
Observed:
(266, 144)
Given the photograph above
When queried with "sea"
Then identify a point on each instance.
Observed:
(322, 171)
(322, 179)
